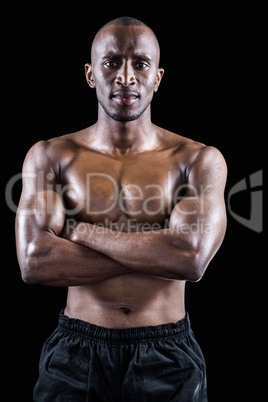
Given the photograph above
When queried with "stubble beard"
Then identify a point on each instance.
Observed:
(122, 117)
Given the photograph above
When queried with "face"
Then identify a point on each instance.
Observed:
(124, 70)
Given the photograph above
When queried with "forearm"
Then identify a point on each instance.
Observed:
(55, 261)
(153, 252)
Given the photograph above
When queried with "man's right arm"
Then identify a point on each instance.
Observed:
(45, 257)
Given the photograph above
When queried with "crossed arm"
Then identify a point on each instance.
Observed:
(182, 251)
(49, 255)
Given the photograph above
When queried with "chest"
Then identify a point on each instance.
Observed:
(105, 190)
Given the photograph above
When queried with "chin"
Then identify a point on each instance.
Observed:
(118, 117)
(123, 116)
(124, 113)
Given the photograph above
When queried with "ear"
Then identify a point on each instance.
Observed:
(89, 75)
(159, 76)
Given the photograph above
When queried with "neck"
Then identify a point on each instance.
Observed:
(121, 137)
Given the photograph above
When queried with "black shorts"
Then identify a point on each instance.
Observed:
(84, 362)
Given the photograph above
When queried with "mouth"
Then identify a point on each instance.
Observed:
(125, 98)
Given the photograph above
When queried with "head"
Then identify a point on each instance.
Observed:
(124, 68)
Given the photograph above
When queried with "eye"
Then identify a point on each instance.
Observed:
(111, 64)
(142, 65)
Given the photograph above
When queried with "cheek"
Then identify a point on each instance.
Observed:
(147, 86)
(101, 86)
(148, 81)
(102, 81)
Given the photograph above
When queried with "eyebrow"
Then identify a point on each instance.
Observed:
(136, 56)
(143, 57)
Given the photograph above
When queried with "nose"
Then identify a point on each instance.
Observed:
(126, 75)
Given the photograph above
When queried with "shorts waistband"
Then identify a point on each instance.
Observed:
(125, 335)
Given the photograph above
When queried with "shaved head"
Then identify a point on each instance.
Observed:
(123, 21)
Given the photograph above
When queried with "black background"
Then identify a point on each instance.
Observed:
(212, 91)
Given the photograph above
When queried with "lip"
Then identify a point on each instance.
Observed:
(125, 98)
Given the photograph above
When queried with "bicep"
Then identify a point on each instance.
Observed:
(200, 217)
(41, 209)
(38, 220)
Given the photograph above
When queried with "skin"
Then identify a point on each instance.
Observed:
(157, 198)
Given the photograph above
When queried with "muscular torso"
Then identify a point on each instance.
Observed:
(127, 192)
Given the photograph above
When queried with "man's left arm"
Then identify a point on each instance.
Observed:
(196, 228)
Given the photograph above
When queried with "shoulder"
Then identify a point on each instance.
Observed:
(197, 158)
(208, 169)
(208, 158)
(179, 144)
(195, 151)
(52, 152)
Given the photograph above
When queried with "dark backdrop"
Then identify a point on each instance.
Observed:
(212, 91)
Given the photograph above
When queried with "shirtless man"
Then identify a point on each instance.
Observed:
(122, 213)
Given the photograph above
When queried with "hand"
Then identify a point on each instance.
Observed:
(77, 232)
(69, 229)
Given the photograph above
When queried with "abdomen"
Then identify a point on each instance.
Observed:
(128, 300)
